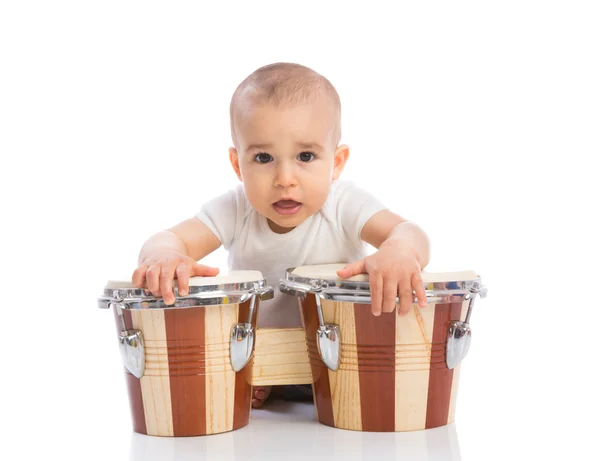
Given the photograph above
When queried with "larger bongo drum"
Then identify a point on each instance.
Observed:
(188, 366)
(386, 373)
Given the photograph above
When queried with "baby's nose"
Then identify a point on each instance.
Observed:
(285, 176)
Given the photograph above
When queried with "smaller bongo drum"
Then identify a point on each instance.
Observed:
(386, 373)
(188, 366)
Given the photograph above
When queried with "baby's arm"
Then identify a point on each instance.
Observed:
(173, 254)
(387, 225)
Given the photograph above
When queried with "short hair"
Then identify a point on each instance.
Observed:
(284, 83)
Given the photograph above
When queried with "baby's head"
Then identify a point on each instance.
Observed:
(285, 125)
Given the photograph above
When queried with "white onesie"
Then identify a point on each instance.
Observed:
(332, 235)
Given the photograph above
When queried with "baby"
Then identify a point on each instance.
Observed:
(290, 208)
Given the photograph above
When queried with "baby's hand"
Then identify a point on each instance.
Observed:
(158, 271)
(393, 270)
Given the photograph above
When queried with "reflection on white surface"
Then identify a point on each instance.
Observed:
(291, 430)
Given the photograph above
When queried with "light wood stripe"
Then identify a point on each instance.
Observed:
(413, 333)
(344, 383)
(156, 389)
(281, 357)
(220, 377)
(456, 374)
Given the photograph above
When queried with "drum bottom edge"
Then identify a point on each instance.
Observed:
(415, 429)
(188, 435)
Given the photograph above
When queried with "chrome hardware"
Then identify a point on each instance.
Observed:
(328, 339)
(341, 290)
(242, 334)
(131, 343)
(206, 295)
(328, 335)
(294, 289)
(459, 333)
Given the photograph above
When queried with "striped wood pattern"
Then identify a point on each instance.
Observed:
(188, 387)
(393, 374)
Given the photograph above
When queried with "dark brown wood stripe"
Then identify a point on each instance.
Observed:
(321, 389)
(440, 376)
(185, 331)
(377, 391)
(134, 387)
(243, 388)
(136, 402)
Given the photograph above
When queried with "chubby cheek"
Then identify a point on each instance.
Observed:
(254, 179)
(258, 193)
(257, 196)
(317, 187)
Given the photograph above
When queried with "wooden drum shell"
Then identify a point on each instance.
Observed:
(189, 387)
(392, 374)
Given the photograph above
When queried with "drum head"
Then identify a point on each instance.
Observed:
(329, 272)
(229, 278)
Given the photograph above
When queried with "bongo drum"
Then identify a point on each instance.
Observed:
(188, 366)
(386, 373)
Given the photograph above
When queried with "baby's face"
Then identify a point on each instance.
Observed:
(287, 159)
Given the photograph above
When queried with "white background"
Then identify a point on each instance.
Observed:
(477, 120)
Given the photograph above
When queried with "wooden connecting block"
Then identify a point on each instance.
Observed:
(280, 357)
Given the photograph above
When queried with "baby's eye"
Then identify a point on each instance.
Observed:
(263, 158)
(306, 156)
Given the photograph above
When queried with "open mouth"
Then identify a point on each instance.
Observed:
(287, 207)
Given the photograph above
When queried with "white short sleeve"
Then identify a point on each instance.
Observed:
(220, 215)
(355, 206)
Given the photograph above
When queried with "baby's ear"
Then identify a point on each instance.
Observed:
(235, 162)
(339, 160)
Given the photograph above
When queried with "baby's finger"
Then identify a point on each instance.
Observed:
(152, 279)
(183, 279)
(376, 283)
(406, 297)
(355, 268)
(139, 276)
(419, 287)
(390, 291)
(204, 271)
(167, 274)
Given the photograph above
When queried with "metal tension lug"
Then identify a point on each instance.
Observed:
(131, 344)
(242, 339)
(328, 339)
(459, 334)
